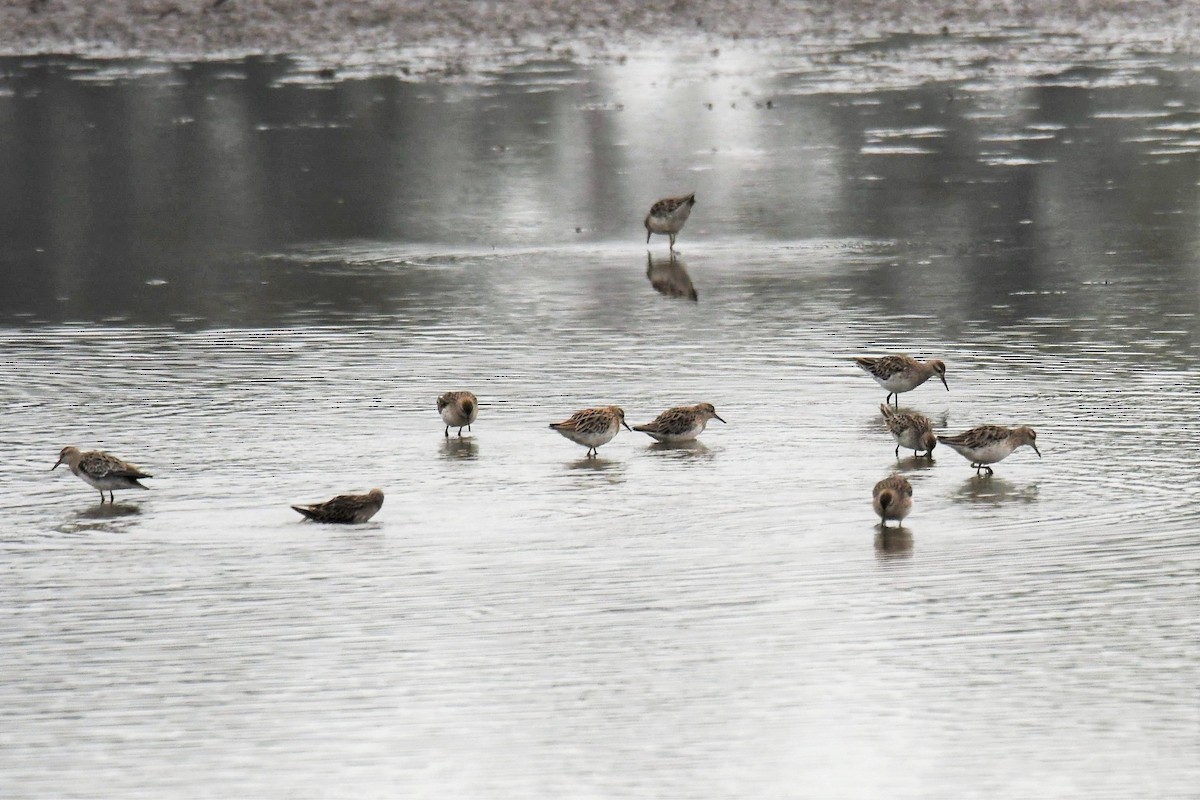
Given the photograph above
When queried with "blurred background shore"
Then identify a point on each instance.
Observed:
(220, 28)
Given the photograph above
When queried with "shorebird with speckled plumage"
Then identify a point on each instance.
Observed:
(347, 509)
(989, 444)
(911, 430)
(892, 499)
(668, 215)
(680, 424)
(102, 470)
(592, 427)
(458, 410)
(901, 373)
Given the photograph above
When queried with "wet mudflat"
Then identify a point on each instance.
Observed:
(253, 280)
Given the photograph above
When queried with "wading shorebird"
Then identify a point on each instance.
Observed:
(892, 499)
(345, 508)
(458, 410)
(680, 424)
(988, 444)
(592, 427)
(102, 470)
(911, 430)
(901, 373)
(668, 215)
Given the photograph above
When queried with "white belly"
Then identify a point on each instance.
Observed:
(590, 439)
(672, 223)
(684, 436)
(900, 382)
(107, 483)
(991, 454)
(452, 416)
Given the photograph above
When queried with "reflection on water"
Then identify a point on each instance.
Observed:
(93, 519)
(110, 510)
(914, 463)
(253, 283)
(669, 277)
(464, 448)
(597, 464)
(893, 542)
(687, 449)
(994, 490)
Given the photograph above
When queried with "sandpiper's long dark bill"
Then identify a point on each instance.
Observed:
(668, 215)
(102, 470)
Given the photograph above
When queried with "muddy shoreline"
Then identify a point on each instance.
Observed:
(452, 30)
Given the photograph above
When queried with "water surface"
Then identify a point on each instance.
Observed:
(254, 281)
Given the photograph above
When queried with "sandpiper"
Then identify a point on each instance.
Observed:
(345, 508)
(458, 410)
(988, 444)
(592, 427)
(901, 373)
(911, 430)
(892, 499)
(680, 424)
(102, 470)
(668, 215)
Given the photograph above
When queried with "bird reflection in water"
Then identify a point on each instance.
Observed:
(109, 517)
(596, 464)
(891, 543)
(669, 277)
(914, 464)
(992, 490)
(109, 511)
(693, 449)
(464, 448)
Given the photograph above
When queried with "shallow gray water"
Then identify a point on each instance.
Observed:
(254, 282)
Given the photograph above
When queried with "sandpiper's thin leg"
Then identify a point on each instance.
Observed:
(446, 433)
(460, 433)
(897, 451)
(672, 241)
(101, 497)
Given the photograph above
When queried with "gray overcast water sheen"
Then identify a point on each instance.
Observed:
(253, 281)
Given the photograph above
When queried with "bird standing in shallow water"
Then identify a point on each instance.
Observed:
(592, 427)
(892, 498)
(680, 424)
(668, 215)
(911, 430)
(102, 470)
(345, 508)
(988, 444)
(458, 410)
(902, 373)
